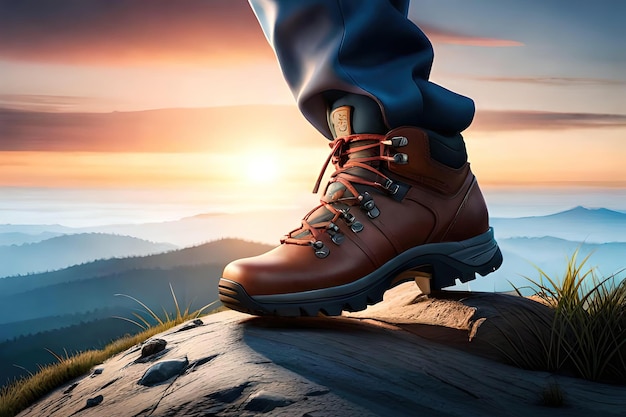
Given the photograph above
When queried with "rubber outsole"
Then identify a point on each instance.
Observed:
(444, 262)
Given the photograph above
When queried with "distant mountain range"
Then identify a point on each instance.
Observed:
(81, 289)
(34, 307)
(66, 250)
(261, 226)
(17, 238)
(523, 257)
(546, 242)
(579, 224)
(571, 228)
(37, 309)
(216, 252)
(33, 229)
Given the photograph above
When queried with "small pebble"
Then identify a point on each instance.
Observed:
(152, 346)
(192, 325)
(92, 402)
(70, 388)
(162, 371)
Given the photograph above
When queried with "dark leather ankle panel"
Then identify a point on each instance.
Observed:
(449, 150)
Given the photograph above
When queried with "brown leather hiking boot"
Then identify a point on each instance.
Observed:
(390, 214)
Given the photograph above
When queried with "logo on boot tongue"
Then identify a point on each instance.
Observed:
(340, 118)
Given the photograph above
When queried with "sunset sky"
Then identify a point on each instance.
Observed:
(548, 78)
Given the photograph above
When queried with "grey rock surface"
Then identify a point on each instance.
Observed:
(408, 356)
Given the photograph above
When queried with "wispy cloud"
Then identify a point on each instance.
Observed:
(441, 35)
(123, 32)
(565, 81)
(494, 120)
(166, 130)
(49, 103)
(205, 130)
(114, 32)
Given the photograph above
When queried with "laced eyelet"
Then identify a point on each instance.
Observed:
(337, 238)
(321, 251)
(368, 205)
(355, 225)
(335, 235)
(351, 155)
(391, 187)
(401, 159)
(396, 141)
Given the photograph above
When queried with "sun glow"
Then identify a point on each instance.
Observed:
(261, 167)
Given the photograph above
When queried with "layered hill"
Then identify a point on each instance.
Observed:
(578, 224)
(66, 250)
(35, 306)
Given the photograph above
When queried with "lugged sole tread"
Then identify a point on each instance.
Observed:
(443, 270)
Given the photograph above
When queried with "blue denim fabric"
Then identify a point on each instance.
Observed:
(369, 47)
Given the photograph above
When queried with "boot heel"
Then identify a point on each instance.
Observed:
(445, 274)
(479, 255)
(421, 277)
(422, 280)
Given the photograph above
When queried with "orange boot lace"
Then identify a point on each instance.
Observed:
(358, 160)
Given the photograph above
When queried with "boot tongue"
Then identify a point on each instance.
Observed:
(340, 123)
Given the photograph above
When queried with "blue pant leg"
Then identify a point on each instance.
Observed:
(365, 47)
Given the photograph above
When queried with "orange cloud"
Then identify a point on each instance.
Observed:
(439, 35)
(522, 120)
(218, 146)
(127, 32)
(225, 128)
(169, 130)
(135, 32)
(561, 81)
(103, 169)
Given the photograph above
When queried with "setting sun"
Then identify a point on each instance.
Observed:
(261, 167)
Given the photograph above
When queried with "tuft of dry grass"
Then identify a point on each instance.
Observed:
(26, 391)
(587, 332)
(144, 322)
